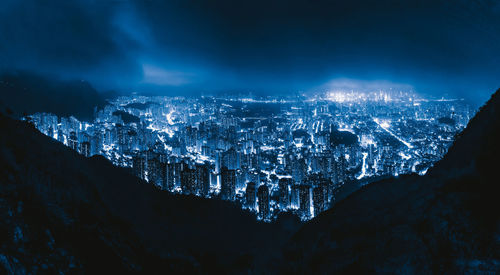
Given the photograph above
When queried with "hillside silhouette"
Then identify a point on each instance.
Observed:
(62, 212)
(444, 222)
(25, 93)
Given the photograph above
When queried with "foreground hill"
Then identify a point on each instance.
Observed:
(63, 212)
(445, 222)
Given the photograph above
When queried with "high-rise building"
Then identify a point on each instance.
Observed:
(230, 159)
(73, 141)
(167, 176)
(329, 189)
(188, 181)
(250, 195)
(294, 196)
(340, 170)
(139, 166)
(305, 201)
(85, 148)
(60, 135)
(319, 199)
(153, 168)
(177, 173)
(284, 193)
(263, 201)
(228, 184)
(299, 169)
(203, 179)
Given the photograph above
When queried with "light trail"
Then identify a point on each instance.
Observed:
(363, 167)
(385, 127)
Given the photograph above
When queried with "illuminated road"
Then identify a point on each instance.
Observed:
(386, 128)
(363, 167)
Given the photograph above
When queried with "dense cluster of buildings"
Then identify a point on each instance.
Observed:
(270, 155)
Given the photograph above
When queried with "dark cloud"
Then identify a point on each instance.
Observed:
(436, 45)
(298, 33)
(77, 38)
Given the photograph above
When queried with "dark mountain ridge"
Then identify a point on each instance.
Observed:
(444, 222)
(27, 93)
(62, 212)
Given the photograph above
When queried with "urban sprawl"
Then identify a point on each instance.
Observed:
(271, 155)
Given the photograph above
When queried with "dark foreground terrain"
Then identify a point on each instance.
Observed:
(445, 222)
(62, 212)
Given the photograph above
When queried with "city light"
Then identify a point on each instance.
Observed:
(304, 152)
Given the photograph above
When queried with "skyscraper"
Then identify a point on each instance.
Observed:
(263, 197)
(228, 184)
(341, 167)
(319, 199)
(167, 176)
(250, 195)
(230, 159)
(305, 201)
(73, 141)
(284, 194)
(188, 181)
(153, 168)
(139, 166)
(294, 196)
(329, 189)
(203, 179)
(299, 169)
(60, 135)
(177, 173)
(85, 148)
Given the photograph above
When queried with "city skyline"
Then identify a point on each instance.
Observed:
(304, 151)
(249, 137)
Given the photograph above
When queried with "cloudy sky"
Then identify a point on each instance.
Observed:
(267, 47)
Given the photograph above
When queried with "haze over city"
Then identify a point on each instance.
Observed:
(263, 47)
(249, 137)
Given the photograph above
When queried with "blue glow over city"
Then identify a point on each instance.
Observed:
(249, 137)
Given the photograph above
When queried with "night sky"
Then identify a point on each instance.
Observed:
(266, 47)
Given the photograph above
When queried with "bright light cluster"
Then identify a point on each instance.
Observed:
(341, 96)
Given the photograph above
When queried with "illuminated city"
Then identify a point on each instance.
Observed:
(249, 137)
(269, 154)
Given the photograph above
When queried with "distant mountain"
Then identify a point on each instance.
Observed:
(62, 212)
(445, 222)
(26, 93)
(140, 106)
(127, 117)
